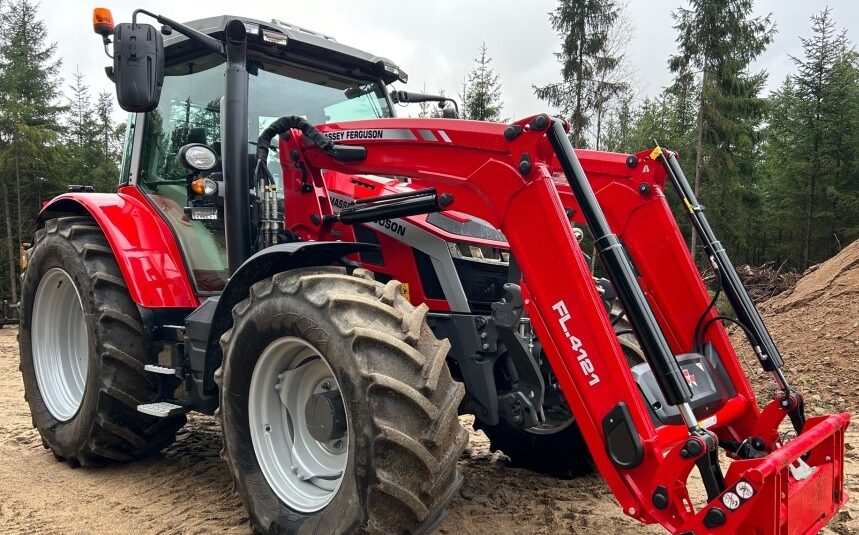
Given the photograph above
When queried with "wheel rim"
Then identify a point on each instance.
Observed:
(304, 473)
(59, 343)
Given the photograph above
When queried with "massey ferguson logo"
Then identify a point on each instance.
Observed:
(340, 203)
(339, 135)
(585, 362)
(690, 377)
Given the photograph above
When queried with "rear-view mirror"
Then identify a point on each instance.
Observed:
(138, 66)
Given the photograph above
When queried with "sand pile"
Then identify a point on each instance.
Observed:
(816, 327)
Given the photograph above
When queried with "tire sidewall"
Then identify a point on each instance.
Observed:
(263, 325)
(61, 436)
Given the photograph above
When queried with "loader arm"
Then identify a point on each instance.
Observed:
(515, 179)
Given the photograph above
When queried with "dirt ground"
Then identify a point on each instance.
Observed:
(186, 490)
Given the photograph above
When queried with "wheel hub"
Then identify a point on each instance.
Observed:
(326, 416)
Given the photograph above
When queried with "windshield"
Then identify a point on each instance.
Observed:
(189, 112)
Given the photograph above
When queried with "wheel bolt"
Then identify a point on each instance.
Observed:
(268, 428)
(326, 385)
(338, 444)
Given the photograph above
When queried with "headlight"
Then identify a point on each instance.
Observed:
(477, 253)
(197, 157)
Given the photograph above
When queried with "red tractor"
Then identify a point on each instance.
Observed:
(338, 298)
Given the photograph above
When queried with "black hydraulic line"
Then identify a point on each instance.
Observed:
(363, 213)
(390, 197)
(732, 286)
(234, 152)
(619, 269)
(748, 316)
(696, 336)
(345, 153)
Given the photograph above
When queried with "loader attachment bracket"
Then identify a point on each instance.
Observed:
(523, 406)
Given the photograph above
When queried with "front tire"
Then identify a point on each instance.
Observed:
(557, 447)
(396, 466)
(83, 350)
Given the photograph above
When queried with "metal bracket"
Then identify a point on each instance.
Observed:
(800, 470)
(522, 366)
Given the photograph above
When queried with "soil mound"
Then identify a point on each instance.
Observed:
(816, 327)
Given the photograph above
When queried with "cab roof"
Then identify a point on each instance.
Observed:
(303, 45)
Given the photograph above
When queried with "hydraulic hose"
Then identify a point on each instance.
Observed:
(285, 124)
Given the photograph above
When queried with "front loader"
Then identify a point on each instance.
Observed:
(285, 253)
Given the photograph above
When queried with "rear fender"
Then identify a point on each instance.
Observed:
(142, 243)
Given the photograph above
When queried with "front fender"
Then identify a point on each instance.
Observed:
(262, 265)
(141, 240)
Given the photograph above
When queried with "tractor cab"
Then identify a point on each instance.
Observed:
(291, 71)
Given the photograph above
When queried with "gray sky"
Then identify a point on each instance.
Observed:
(436, 41)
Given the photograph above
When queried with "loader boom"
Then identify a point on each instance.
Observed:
(518, 178)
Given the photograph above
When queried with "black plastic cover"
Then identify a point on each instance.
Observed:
(622, 441)
(706, 377)
(473, 228)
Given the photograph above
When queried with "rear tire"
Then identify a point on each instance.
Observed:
(402, 437)
(88, 415)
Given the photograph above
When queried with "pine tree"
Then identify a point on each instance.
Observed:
(587, 61)
(91, 151)
(620, 122)
(481, 98)
(611, 77)
(810, 151)
(109, 134)
(435, 111)
(463, 96)
(80, 122)
(719, 39)
(29, 119)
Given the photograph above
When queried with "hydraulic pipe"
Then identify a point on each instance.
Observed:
(733, 287)
(619, 268)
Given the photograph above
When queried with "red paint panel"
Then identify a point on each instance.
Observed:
(143, 244)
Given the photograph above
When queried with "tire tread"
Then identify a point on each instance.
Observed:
(117, 432)
(406, 369)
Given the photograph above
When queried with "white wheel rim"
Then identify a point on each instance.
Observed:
(304, 473)
(59, 342)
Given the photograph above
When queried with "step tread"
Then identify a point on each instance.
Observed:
(161, 409)
(164, 370)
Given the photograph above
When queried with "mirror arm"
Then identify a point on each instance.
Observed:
(209, 42)
(407, 97)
